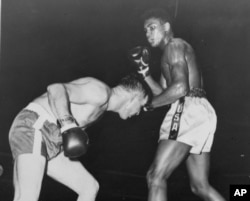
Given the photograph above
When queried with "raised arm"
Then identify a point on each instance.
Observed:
(154, 86)
(140, 57)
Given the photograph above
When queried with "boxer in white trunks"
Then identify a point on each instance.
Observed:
(187, 131)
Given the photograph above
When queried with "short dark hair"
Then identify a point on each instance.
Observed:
(134, 82)
(158, 13)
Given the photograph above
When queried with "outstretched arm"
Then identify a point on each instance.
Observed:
(140, 57)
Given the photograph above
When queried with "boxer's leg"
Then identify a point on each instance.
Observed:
(28, 175)
(72, 174)
(169, 155)
(198, 169)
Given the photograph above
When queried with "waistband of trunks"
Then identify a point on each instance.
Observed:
(197, 92)
(40, 111)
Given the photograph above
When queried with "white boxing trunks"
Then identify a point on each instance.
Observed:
(190, 120)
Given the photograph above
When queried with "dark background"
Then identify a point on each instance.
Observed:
(49, 41)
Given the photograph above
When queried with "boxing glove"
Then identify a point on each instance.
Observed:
(75, 140)
(140, 57)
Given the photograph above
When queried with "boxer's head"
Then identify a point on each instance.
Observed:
(157, 13)
(157, 25)
(134, 93)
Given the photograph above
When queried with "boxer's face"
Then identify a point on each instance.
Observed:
(133, 106)
(155, 31)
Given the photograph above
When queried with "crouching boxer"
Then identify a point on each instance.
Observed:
(50, 131)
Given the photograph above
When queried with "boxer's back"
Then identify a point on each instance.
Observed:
(92, 97)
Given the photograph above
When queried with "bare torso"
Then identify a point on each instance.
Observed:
(195, 79)
(86, 113)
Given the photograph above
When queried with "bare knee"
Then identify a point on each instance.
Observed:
(89, 189)
(156, 178)
(95, 187)
(200, 188)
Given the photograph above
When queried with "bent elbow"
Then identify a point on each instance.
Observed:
(55, 88)
(182, 89)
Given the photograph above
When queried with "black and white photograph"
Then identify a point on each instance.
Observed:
(124, 100)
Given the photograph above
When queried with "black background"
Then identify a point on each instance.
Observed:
(49, 41)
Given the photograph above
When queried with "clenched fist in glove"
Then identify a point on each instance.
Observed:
(75, 140)
(140, 57)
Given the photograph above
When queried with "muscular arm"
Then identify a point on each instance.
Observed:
(154, 86)
(58, 98)
(81, 91)
(175, 64)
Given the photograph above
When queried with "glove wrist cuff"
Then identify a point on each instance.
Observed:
(144, 72)
(147, 73)
(68, 126)
(67, 119)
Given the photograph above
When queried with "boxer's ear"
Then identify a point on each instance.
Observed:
(166, 26)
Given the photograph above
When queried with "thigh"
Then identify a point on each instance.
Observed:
(198, 166)
(71, 173)
(169, 155)
(28, 175)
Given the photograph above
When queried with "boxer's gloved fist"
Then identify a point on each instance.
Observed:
(75, 140)
(140, 57)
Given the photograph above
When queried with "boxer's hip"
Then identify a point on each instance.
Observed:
(35, 131)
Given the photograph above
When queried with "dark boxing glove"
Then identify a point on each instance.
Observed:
(140, 57)
(75, 140)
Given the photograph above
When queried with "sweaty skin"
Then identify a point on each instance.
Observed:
(179, 68)
(179, 75)
(36, 140)
(88, 102)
